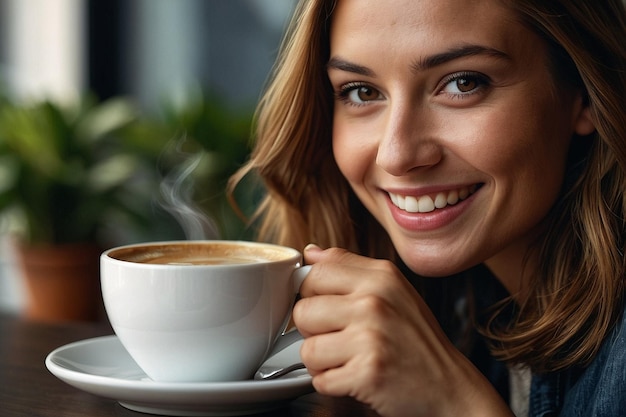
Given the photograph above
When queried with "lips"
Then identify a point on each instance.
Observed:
(431, 202)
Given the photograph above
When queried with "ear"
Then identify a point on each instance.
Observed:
(583, 122)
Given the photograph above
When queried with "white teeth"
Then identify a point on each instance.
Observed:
(425, 203)
(453, 197)
(401, 202)
(394, 199)
(411, 204)
(441, 200)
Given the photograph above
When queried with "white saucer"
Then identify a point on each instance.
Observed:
(102, 366)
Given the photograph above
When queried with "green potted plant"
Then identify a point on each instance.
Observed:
(63, 172)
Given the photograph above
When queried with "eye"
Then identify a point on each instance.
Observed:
(358, 93)
(464, 83)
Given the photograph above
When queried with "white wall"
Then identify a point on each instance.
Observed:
(44, 48)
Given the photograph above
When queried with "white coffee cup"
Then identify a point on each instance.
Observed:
(200, 311)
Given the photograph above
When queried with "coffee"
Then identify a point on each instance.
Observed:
(181, 259)
(199, 254)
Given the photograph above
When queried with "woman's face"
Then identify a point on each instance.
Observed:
(449, 128)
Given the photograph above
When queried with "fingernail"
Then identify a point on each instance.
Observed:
(312, 247)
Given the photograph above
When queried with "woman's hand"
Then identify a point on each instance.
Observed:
(369, 335)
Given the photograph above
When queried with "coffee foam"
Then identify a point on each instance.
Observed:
(200, 253)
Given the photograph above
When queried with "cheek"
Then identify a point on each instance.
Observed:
(353, 152)
(527, 164)
(523, 142)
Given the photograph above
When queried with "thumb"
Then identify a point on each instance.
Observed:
(312, 253)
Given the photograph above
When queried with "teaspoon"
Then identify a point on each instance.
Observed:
(274, 372)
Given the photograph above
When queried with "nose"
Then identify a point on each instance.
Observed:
(408, 140)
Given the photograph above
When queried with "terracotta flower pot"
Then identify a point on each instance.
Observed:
(62, 282)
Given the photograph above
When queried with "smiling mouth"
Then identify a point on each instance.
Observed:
(428, 203)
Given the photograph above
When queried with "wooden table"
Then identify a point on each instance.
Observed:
(28, 389)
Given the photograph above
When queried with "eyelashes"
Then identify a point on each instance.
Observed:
(358, 93)
(465, 83)
(459, 85)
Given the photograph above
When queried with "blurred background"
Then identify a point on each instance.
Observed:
(120, 122)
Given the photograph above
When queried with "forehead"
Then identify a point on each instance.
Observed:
(431, 24)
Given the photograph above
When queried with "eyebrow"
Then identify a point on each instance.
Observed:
(423, 63)
(343, 65)
(456, 53)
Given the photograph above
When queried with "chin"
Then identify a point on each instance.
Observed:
(432, 268)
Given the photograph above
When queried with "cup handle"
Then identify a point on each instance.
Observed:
(298, 277)
(287, 338)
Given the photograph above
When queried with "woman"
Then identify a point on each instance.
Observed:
(474, 151)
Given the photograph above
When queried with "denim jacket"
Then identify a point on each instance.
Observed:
(597, 391)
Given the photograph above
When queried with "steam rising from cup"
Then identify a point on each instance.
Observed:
(177, 197)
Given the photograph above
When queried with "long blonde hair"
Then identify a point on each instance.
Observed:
(577, 294)
(307, 199)
(578, 291)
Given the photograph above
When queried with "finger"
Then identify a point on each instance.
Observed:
(326, 351)
(368, 275)
(332, 382)
(322, 314)
(314, 254)
(340, 381)
(327, 278)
